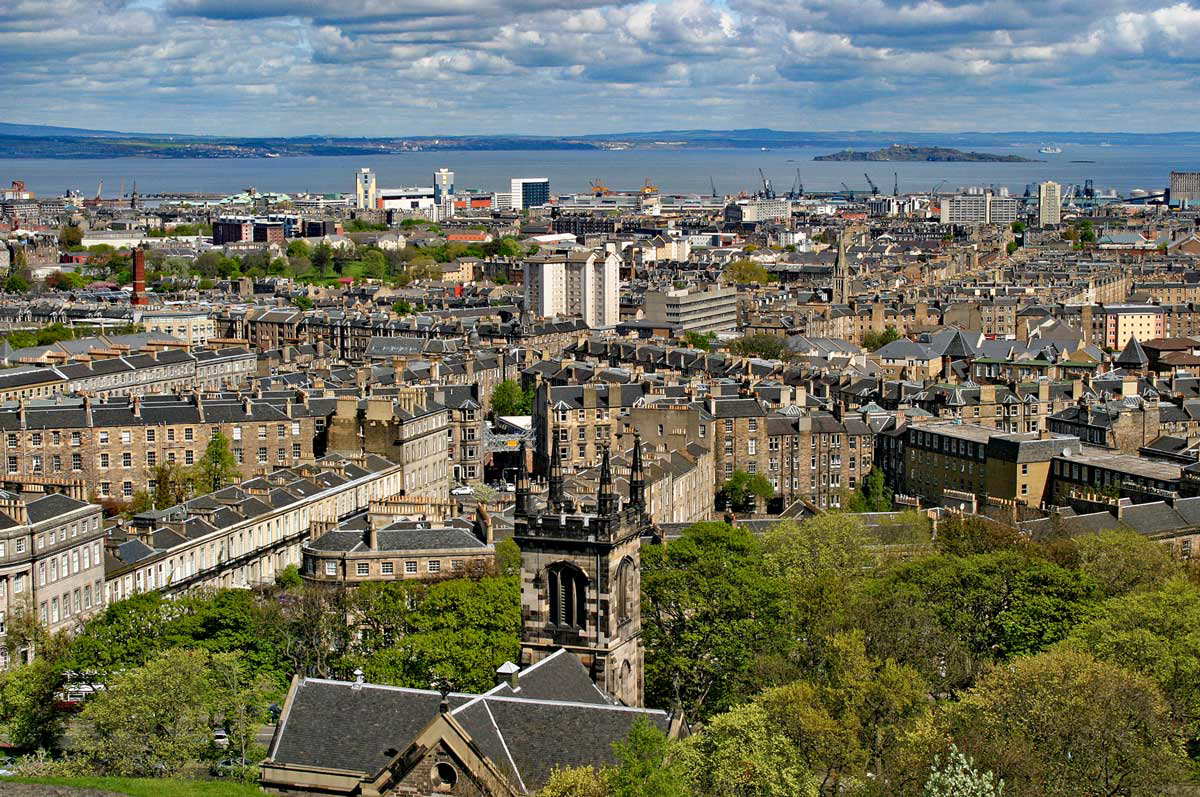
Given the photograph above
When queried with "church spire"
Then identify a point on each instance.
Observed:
(841, 272)
(606, 500)
(637, 480)
(554, 496)
(522, 508)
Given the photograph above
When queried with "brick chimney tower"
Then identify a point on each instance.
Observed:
(139, 277)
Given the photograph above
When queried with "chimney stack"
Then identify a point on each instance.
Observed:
(139, 278)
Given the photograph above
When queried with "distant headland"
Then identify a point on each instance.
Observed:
(902, 152)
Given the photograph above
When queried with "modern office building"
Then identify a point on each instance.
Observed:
(1049, 204)
(713, 309)
(365, 192)
(530, 192)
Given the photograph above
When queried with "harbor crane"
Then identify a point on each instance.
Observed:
(849, 191)
(895, 184)
(767, 193)
(713, 184)
(871, 184)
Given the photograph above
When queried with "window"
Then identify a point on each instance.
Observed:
(434, 566)
(566, 586)
(262, 455)
(187, 434)
(151, 458)
(76, 438)
(76, 462)
(189, 457)
(296, 428)
(295, 451)
(728, 424)
(126, 437)
(150, 434)
(752, 446)
(56, 462)
(362, 568)
(262, 433)
(281, 431)
(35, 438)
(171, 435)
(239, 455)
(410, 568)
(753, 424)
(386, 568)
(11, 439)
(12, 464)
(127, 490)
(237, 433)
(103, 438)
(104, 459)
(126, 460)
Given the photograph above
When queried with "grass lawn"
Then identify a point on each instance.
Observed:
(151, 787)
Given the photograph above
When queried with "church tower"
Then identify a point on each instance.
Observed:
(841, 273)
(581, 576)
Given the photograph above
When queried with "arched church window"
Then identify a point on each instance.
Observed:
(567, 586)
(626, 591)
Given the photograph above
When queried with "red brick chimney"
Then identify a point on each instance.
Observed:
(139, 277)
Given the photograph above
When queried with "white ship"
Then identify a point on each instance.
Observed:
(1051, 149)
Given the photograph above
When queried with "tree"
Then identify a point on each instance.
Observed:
(1011, 247)
(710, 617)
(172, 484)
(744, 272)
(705, 341)
(29, 714)
(16, 283)
(65, 281)
(648, 765)
(218, 468)
(1155, 633)
(70, 236)
(576, 782)
(241, 700)
(956, 776)
(288, 577)
(873, 340)
(508, 398)
(873, 495)
(741, 754)
(403, 308)
(302, 302)
(1122, 561)
(1062, 723)
(151, 720)
(742, 488)
(762, 345)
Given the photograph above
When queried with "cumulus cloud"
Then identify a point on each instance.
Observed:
(565, 66)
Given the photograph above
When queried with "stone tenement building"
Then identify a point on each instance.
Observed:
(386, 544)
(51, 559)
(113, 446)
(117, 373)
(408, 428)
(242, 535)
(806, 455)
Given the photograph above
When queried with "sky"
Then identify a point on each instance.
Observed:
(563, 67)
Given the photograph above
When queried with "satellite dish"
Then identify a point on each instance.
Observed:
(1066, 452)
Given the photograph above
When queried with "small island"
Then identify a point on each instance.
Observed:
(902, 152)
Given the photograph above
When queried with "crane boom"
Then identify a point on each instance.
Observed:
(767, 192)
(848, 191)
(712, 183)
(871, 184)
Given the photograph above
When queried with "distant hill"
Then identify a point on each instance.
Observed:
(41, 131)
(46, 141)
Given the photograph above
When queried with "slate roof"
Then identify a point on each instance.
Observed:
(554, 717)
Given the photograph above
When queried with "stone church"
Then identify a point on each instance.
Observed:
(579, 688)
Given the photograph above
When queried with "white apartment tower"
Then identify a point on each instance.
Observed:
(1049, 204)
(443, 185)
(580, 283)
(365, 192)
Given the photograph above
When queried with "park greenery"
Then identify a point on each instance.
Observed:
(705, 341)
(817, 658)
(319, 264)
(219, 659)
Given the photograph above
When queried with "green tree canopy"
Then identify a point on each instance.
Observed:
(743, 488)
(1063, 724)
(710, 616)
(508, 398)
(873, 340)
(760, 344)
(744, 272)
(218, 468)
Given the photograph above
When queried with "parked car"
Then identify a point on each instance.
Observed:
(220, 738)
(462, 489)
(7, 764)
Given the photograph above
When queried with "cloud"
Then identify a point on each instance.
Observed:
(573, 66)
